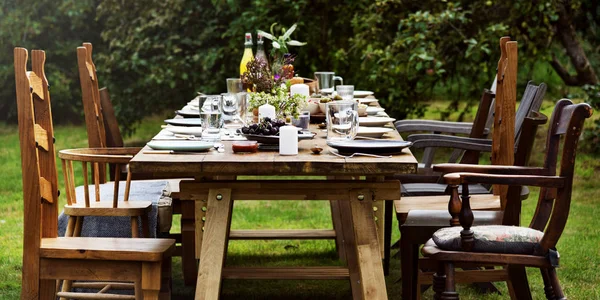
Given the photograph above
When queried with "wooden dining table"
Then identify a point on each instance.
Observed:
(358, 184)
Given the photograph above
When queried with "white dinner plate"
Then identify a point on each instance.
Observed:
(181, 145)
(373, 110)
(374, 132)
(362, 94)
(185, 122)
(369, 146)
(374, 121)
(367, 101)
(194, 130)
(188, 113)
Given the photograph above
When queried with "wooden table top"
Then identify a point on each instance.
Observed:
(213, 163)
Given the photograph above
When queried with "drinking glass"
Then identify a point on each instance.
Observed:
(212, 117)
(342, 120)
(302, 121)
(235, 87)
(346, 92)
(230, 108)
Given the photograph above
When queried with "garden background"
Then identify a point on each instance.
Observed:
(421, 58)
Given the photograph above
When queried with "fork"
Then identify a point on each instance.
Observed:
(360, 154)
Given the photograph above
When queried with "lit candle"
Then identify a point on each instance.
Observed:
(266, 111)
(288, 140)
(299, 88)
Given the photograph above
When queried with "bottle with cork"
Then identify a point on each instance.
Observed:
(248, 55)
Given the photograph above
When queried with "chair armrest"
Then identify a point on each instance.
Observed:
(528, 180)
(99, 155)
(433, 126)
(489, 169)
(449, 141)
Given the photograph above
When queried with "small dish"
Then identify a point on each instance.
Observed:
(244, 146)
(316, 149)
(373, 110)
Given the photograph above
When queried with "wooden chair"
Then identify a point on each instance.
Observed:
(451, 247)
(46, 257)
(420, 224)
(423, 211)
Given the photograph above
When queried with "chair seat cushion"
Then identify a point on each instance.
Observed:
(143, 190)
(491, 238)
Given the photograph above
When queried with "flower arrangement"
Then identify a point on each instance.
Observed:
(270, 85)
(285, 105)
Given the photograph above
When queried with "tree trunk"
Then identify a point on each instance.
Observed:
(568, 38)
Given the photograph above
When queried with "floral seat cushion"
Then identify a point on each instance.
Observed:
(491, 238)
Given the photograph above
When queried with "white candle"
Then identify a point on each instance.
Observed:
(300, 88)
(288, 140)
(266, 111)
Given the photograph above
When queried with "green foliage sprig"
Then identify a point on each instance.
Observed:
(285, 105)
(280, 43)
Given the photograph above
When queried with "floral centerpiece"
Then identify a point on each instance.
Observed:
(272, 84)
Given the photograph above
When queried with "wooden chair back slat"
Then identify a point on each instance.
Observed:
(116, 185)
(86, 190)
(40, 189)
(41, 136)
(71, 180)
(97, 180)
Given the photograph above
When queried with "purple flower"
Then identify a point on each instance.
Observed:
(277, 76)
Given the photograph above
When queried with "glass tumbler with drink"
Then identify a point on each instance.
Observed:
(346, 92)
(342, 121)
(212, 118)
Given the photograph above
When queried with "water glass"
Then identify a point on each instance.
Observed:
(234, 85)
(230, 108)
(346, 92)
(212, 117)
(342, 120)
(302, 121)
(236, 88)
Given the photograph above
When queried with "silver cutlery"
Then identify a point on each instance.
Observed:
(359, 154)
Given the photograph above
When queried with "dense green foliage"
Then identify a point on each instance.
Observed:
(155, 55)
(57, 27)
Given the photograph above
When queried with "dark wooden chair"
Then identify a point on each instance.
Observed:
(47, 257)
(424, 211)
(520, 247)
(420, 224)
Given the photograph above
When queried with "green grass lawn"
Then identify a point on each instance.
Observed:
(579, 246)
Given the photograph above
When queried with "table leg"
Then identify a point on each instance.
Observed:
(188, 242)
(367, 247)
(349, 241)
(387, 239)
(337, 226)
(214, 246)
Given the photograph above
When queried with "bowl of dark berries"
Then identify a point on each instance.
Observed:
(267, 131)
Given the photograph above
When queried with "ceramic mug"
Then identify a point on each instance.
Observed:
(326, 80)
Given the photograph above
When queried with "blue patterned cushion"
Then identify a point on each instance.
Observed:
(491, 238)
